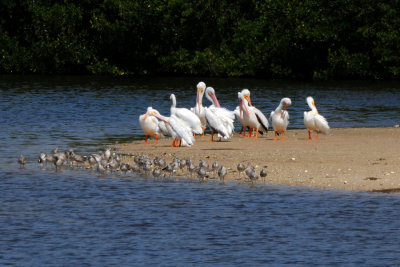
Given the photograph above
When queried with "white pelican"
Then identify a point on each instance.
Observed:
(187, 116)
(199, 109)
(238, 113)
(252, 117)
(219, 119)
(280, 118)
(314, 121)
(149, 125)
(175, 128)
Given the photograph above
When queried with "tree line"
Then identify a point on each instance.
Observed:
(302, 39)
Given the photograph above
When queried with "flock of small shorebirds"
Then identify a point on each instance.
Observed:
(158, 168)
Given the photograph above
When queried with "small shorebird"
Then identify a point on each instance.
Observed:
(249, 169)
(222, 171)
(58, 162)
(191, 168)
(22, 161)
(263, 173)
(156, 172)
(92, 160)
(77, 158)
(124, 168)
(202, 173)
(253, 175)
(215, 166)
(240, 168)
(203, 164)
(169, 168)
(42, 158)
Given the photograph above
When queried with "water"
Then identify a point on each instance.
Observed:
(75, 217)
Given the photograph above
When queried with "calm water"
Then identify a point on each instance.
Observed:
(75, 217)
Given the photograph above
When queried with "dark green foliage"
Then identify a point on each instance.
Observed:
(270, 39)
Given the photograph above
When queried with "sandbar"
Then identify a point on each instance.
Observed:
(366, 159)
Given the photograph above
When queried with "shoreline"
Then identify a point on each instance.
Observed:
(362, 159)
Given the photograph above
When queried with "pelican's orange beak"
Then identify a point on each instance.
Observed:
(249, 100)
(315, 107)
(160, 117)
(245, 108)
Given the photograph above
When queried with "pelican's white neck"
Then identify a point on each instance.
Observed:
(311, 104)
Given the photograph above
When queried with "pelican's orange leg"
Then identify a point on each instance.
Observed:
(173, 143)
(275, 136)
(283, 136)
(145, 139)
(212, 137)
(155, 142)
(255, 133)
(241, 130)
(244, 131)
(316, 138)
(204, 129)
(250, 132)
(309, 135)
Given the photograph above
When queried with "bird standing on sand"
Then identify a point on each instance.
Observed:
(240, 168)
(280, 118)
(263, 173)
(215, 166)
(251, 116)
(149, 125)
(253, 175)
(202, 173)
(220, 120)
(199, 110)
(191, 168)
(314, 121)
(174, 127)
(222, 171)
(188, 117)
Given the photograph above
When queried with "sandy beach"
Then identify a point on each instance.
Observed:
(366, 159)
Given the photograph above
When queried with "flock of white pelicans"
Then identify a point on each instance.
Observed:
(184, 124)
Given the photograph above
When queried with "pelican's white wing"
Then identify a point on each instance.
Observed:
(191, 119)
(181, 131)
(215, 123)
(321, 123)
(261, 119)
(226, 117)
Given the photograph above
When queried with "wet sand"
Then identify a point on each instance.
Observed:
(366, 159)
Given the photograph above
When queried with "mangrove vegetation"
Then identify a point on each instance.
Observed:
(302, 39)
